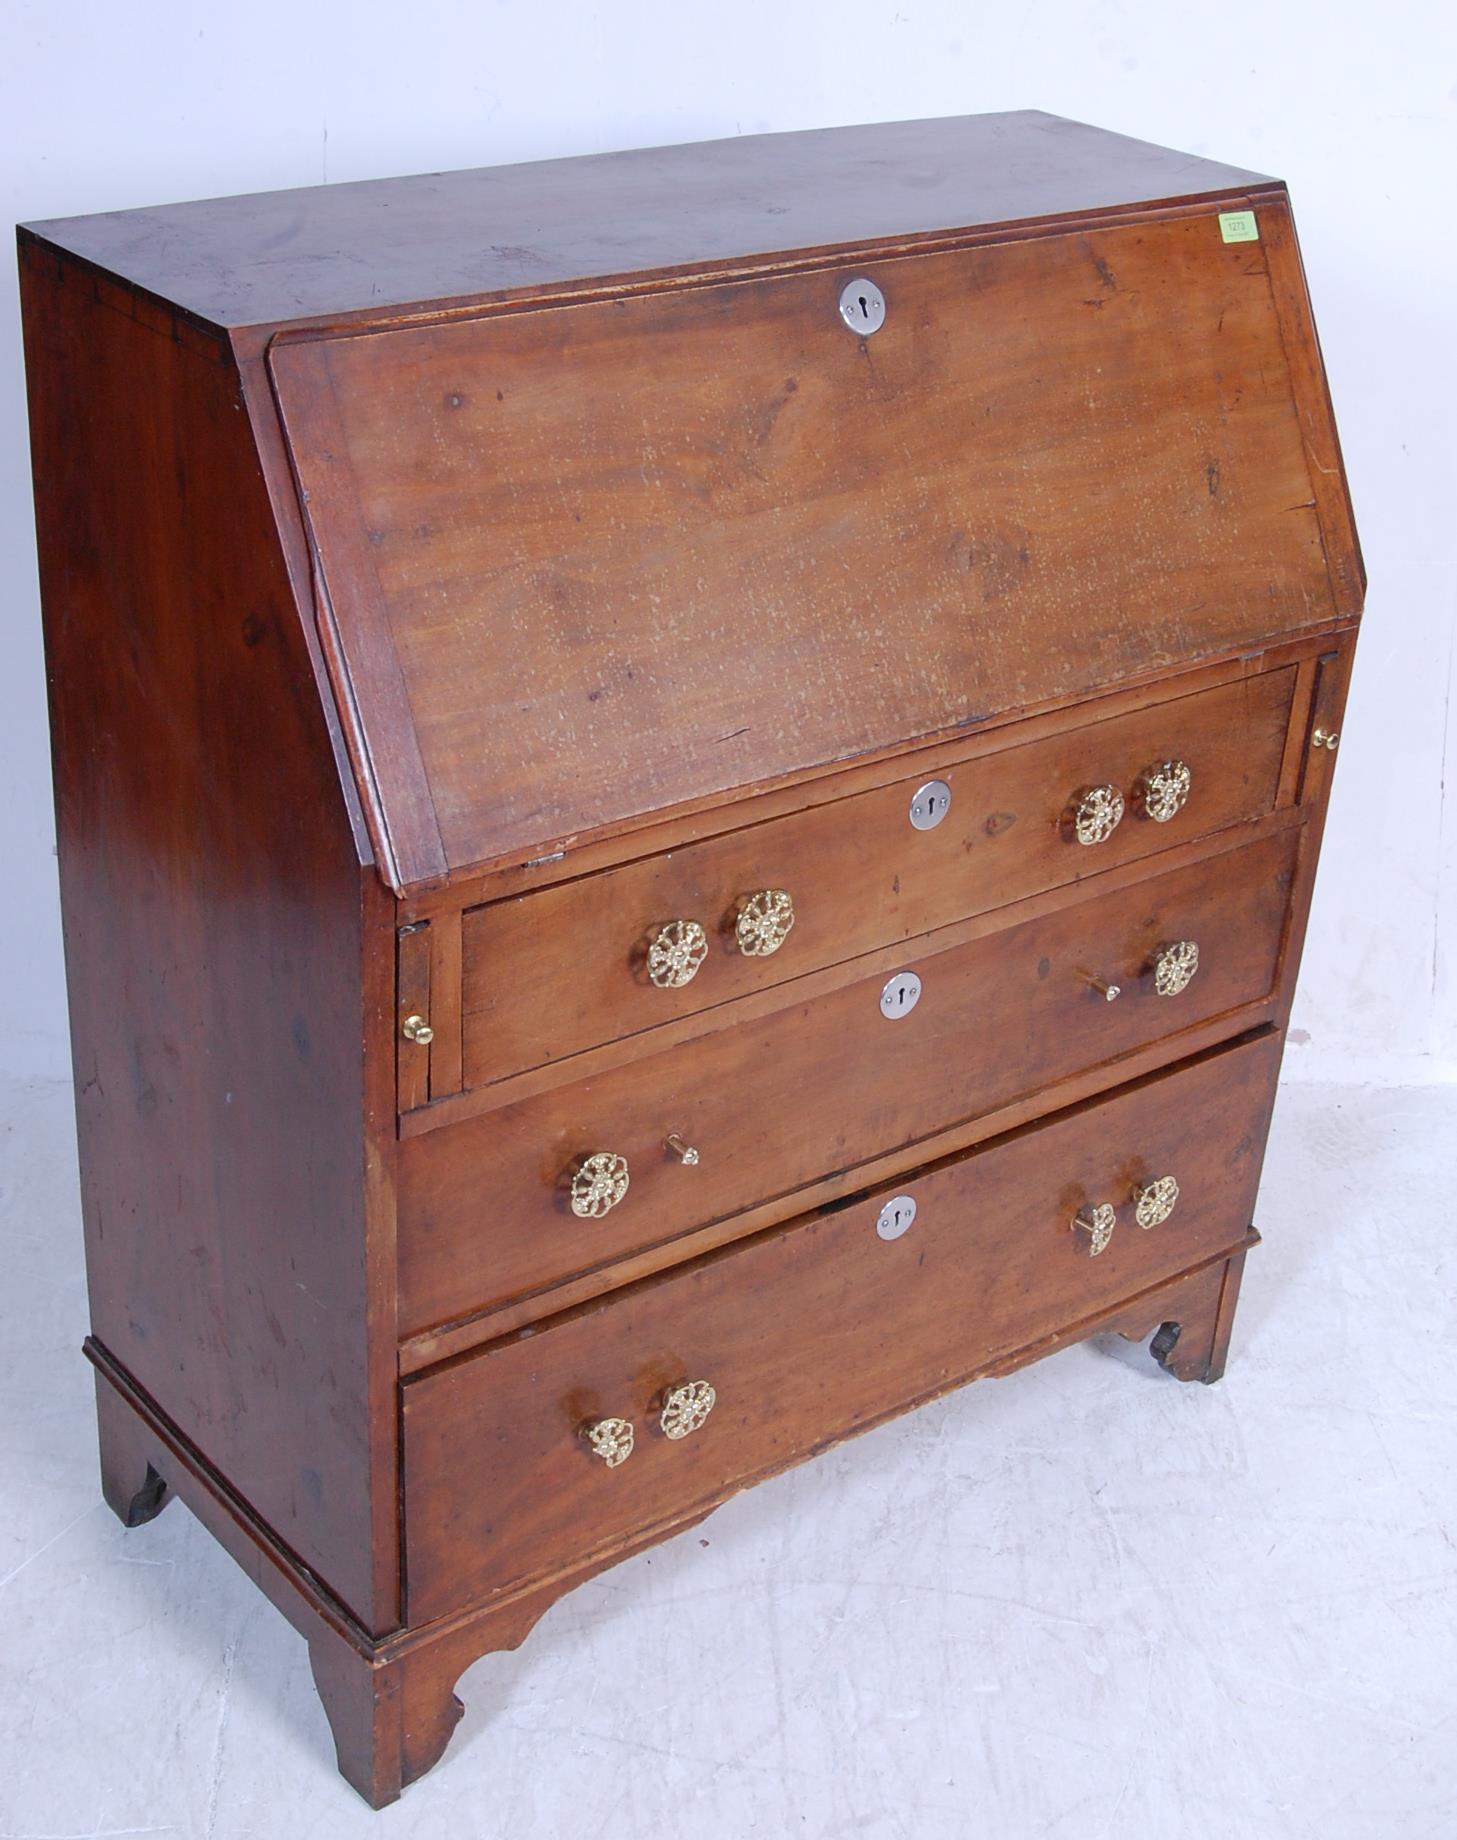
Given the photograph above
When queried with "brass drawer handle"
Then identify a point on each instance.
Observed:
(1155, 1201)
(676, 954)
(1174, 967)
(1327, 738)
(1098, 1223)
(599, 1184)
(418, 1030)
(764, 922)
(679, 1147)
(1097, 814)
(1164, 790)
(610, 1439)
(685, 1407)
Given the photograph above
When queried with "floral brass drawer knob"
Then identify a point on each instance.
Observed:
(1097, 814)
(599, 1184)
(686, 1407)
(764, 922)
(1098, 1223)
(1155, 1201)
(610, 1439)
(1164, 790)
(1174, 967)
(676, 954)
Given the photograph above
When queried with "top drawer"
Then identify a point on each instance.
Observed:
(590, 561)
(547, 975)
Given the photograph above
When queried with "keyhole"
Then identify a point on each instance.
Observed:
(930, 804)
(896, 1217)
(862, 306)
(900, 995)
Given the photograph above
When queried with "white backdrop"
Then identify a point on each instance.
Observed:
(103, 107)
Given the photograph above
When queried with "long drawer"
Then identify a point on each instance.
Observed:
(548, 974)
(814, 1329)
(489, 1209)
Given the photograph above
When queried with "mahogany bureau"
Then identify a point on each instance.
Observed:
(688, 785)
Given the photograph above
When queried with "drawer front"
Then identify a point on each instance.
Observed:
(486, 1207)
(814, 1329)
(549, 974)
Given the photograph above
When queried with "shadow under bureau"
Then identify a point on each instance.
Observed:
(688, 785)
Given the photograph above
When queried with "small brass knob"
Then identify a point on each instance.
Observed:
(599, 1184)
(1164, 790)
(1155, 1201)
(1110, 993)
(764, 922)
(684, 1152)
(676, 954)
(417, 1029)
(685, 1407)
(1098, 1223)
(1326, 738)
(610, 1439)
(1097, 814)
(1174, 967)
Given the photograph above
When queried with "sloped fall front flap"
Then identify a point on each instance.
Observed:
(583, 563)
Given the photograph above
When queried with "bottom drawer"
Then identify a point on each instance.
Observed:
(818, 1327)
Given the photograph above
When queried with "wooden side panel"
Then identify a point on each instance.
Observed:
(634, 554)
(814, 1330)
(215, 930)
(819, 1086)
(1313, 402)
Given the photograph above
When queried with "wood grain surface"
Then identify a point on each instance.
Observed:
(548, 975)
(813, 1328)
(772, 1105)
(222, 938)
(500, 231)
(449, 581)
(628, 555)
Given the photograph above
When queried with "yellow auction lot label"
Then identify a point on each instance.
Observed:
(1239, 227)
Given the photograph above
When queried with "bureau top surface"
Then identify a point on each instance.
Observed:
(327, 251)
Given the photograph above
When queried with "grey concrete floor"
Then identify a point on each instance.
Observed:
(1083, 1601)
